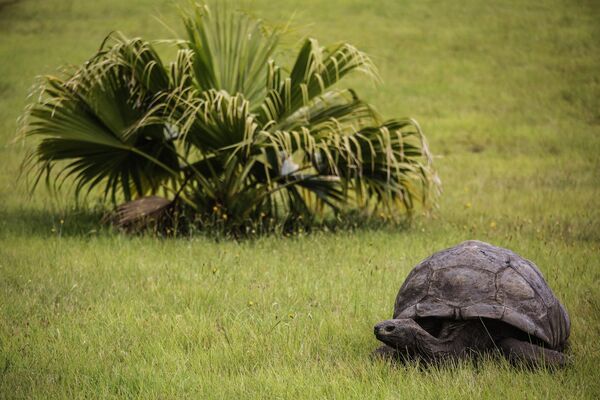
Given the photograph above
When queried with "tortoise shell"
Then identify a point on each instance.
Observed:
(478, 280)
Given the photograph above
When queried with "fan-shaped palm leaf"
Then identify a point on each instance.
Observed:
(92, 124)
(230, 51)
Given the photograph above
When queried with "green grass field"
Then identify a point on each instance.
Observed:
(508, 94)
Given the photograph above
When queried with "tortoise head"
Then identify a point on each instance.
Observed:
(401, 334)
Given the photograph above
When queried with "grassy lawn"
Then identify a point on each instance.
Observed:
(508, 94)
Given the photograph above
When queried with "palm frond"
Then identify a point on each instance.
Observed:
(230, 51)
(314, 71)
(216, 120)
(91, 125)
(341, 108)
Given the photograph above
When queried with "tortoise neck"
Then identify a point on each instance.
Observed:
(431, 347)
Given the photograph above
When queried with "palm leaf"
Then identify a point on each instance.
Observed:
(314, 71)
(230, 51)
(92, 127)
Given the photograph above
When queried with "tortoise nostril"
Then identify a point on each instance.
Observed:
(389, 328)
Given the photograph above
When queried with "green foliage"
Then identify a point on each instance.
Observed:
(223, 129)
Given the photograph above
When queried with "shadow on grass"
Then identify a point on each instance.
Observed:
(31, 222)
(7, 3)
(45, 223)
(344, 225)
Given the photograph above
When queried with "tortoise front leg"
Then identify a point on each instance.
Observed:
(518, 351)
(388, 353)
(385, 352)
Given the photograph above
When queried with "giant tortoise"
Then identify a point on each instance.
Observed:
(475, 298)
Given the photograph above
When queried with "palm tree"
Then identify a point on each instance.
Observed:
(224, 131)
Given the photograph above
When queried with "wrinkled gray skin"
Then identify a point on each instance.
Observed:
(472, 299)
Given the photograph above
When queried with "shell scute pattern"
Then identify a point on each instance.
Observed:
(478, 280)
